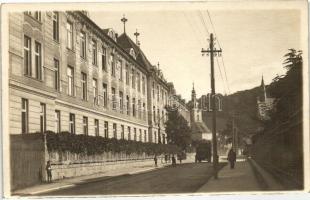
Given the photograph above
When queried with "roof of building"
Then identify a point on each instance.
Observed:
(199, 127)
(126, 43)
(106, 30)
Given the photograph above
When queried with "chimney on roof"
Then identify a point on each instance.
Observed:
(85, 12)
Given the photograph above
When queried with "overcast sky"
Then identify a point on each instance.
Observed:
(253, 43)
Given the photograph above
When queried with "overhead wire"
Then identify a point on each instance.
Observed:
(221, 48)
(218, 65)
(225, 82)
(201, 17)
(203, 22)
(198, 40)
(192, 28)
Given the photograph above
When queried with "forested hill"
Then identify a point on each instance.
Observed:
(244, 105)
(286, 89)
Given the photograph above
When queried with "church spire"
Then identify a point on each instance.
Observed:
(262, 83)
(263, 89)
(194, 100)
(193, 90)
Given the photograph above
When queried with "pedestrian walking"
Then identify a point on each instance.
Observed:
(155, 160)
(166, 158)
(49, 171)
(173, 161)
(231, 158)
(179, 156)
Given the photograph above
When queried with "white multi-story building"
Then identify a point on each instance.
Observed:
(68, 74)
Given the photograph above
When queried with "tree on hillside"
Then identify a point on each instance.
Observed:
(177, 129)
(244, 105)
(287, 89)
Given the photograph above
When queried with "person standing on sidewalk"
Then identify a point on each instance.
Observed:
(155, 160)
(179, 156)
(231, 158)
(49, 171)
(173, 161)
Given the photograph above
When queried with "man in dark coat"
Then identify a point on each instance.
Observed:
(173, 161)
(166, 158)
(155, 160)
(49, 171)
(231, 158)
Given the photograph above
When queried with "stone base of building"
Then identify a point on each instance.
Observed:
(29, 155)
(74, 170)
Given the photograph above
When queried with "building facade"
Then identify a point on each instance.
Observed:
(68, 74)
(176, 101)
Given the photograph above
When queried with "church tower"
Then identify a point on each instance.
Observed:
(194, 100)
(196, 114)
(264, 103)
(263, 94)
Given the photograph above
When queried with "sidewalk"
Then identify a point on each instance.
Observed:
(70, 182)
(242, 178)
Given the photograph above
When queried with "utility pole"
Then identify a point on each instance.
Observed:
(213, 52)
(234, 133)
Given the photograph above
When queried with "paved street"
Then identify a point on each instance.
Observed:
(185, 178)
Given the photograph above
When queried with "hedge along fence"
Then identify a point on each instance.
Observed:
(91, 145)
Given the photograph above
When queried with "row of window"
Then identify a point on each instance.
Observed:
(135, 76)
(72, 124)
(160, 93)
(83, 51)
(114, 102)
(159, 117)
(38, 73)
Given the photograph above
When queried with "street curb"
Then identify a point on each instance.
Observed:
(265, 179)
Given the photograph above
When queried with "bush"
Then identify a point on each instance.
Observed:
(91, 145)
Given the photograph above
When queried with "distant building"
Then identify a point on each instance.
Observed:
(199, 129)
(264, 103)
(176, 101)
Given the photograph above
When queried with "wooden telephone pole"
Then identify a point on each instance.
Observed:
(213, 52)
(234, 133)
